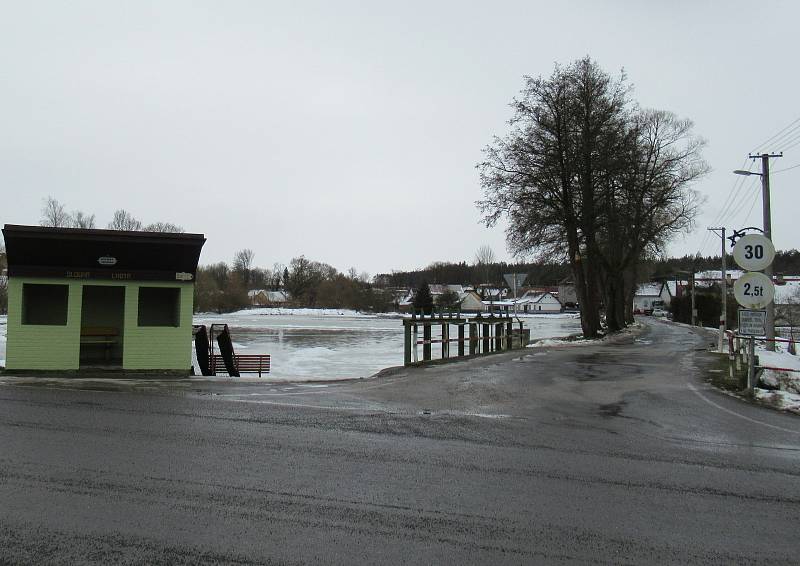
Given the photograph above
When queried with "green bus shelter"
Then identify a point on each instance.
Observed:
(100, 300)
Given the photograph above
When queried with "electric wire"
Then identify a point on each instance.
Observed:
(734, 214)
(749, 212)
(789, 138)
(732, 197)
(793, 145)
(733, 204)
(788, 141)
(785, 169)
(753, 202)
(738, 181)
(778, 135)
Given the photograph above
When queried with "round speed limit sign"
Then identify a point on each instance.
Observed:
(753, 290)
(753, 252)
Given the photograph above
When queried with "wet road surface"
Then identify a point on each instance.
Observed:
(614, 453)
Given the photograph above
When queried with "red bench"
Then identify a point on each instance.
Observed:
(244, 363)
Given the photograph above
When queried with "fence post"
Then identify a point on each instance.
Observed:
(414, 342)
(473, 338)
(486, 343)
(407, 348)
(426, 337)
(445, 340)
(461, 339)
(751, 366)
(731, 357)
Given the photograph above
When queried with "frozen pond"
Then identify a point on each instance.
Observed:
(330, 344)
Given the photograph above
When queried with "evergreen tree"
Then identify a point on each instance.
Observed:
(423, 300)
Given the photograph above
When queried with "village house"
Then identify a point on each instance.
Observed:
(533, 302)
(472, 303)
(649, 296)
(265, 298)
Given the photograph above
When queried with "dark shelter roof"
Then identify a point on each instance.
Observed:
(76, 253)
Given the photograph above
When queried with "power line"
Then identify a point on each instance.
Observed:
(775, 136)
(793, 145)
(786, 169)
(733, 195)
(752, 205)
(788, 137)
(788, 140)
(732, 198)
(743, 202)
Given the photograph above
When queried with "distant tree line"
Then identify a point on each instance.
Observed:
(786, 262)
(223, 288)
(55, 215)
(545, 274)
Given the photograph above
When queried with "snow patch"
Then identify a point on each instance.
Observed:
(779, 399)
(784, 384)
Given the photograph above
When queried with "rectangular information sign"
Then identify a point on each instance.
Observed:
(752, 322)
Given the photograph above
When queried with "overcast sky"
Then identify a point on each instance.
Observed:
(349, 131)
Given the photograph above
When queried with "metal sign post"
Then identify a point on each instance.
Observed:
(755, 252)
(514, 281)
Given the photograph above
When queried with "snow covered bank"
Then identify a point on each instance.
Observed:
(783, 385)
(576, 339)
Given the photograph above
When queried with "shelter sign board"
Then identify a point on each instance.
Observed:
(752, 322)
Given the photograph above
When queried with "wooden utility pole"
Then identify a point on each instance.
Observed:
(723, 319)
(767, 219)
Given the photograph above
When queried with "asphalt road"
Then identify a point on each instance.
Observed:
(616, 453)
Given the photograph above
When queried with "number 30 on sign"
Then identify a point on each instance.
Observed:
(753, 252)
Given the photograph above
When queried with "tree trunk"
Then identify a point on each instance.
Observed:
(586, 289)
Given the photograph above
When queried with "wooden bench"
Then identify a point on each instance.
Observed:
(99, 335)
(105, 336)
(244, 363)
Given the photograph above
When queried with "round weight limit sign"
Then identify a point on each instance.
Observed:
(753, 252)
(753, 290)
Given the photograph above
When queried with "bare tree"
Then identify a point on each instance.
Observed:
(54, 214)
(278, 279)
(123, 220)
(484, 255)
(585, 176)
(484, 258)
(243, 263)
(646, 202)
(82, 220)
(166, 227)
